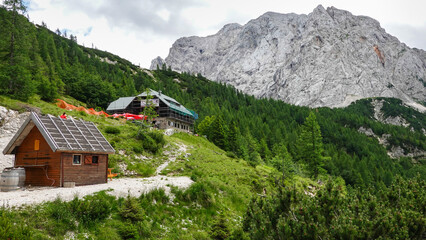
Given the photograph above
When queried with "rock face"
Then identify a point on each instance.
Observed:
(327, 58)
(10, 122)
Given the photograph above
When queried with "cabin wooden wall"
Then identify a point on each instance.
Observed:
(27, 156)
(85, 174)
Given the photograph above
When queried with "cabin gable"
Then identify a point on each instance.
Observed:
(42, 165)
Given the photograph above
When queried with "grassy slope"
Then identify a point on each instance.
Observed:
(223, 186)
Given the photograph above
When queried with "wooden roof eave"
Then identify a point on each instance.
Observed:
(24, 130)
(85, 151)
(44, 132)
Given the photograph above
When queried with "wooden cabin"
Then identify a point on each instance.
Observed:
(57, 151)
(171, 114)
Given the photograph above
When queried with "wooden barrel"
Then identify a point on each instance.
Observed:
(9, 180)
(21, 173)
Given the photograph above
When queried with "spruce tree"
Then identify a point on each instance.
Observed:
(204, 127)
(233, 137)
(218, 134)
(15, 79)
(310, 145)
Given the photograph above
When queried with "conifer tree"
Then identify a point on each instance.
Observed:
(218, 135)
(15, 78)
(16, 7)
(264, 151)
(205, 126)
(310, 145)
(232, 137)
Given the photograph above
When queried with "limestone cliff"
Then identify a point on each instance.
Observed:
(327, 58)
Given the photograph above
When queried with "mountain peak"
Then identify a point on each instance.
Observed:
(329, 57)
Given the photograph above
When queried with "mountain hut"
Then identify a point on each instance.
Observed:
(58, 152)
(171, 114)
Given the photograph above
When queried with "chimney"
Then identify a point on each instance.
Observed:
(159, 93)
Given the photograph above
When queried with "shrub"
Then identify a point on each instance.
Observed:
(10, 230)
(131, 210)
(144, 229)
(220, 228)
(231, 155)
(159, 195)
(128, 231)
(92, 208)
(198, 192)
(60, 218)
(157, 136)
(142, 169)
(152, 141)
(112, 130)
(107, 233)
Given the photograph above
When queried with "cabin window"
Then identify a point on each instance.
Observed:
(36, 145)
(91, 160)
(76, 159)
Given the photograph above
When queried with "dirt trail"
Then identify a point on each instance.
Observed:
(172, 157)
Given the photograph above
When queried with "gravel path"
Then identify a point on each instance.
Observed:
(119, 187)
(172, 158)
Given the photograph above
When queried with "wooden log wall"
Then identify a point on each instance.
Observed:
(85, 173)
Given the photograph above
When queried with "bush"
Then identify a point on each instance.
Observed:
(60, 218)
(107, 233)
(128, 231)
(220, 228)
(112, 130)
(142, 169)
(152, 141)
(11, 230)
(159, 195)
(131, 210)
(198, 192)
(157, 136)
(231, 155)
(92, 208)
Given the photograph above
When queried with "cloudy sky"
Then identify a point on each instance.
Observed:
(140, 30)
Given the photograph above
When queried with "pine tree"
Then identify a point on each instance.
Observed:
(264, 151)
(310, 145)
(16, 7)
(205, 126)
(233, 137)
(218, 135)
(15, 79)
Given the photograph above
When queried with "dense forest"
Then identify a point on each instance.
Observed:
(294, 140)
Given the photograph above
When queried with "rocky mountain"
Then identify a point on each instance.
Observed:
(327, 58)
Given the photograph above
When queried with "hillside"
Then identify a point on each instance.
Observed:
(165, 212)
(326, 58)
(230, 196)
(252, 165)
(252, 128)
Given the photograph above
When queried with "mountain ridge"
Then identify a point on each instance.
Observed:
(326, 58)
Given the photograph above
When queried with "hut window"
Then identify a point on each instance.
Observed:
(76, 159)
(95, 159)
(91, 160)
(36, 145)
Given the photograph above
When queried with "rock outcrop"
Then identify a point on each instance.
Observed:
(10, 122)
(327, 58)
